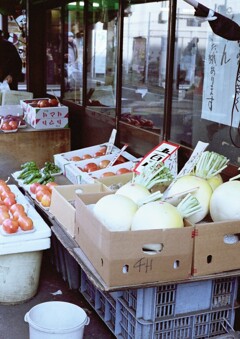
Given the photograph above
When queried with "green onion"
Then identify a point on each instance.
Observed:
(153, 174)
(188, 206)
(210, 164)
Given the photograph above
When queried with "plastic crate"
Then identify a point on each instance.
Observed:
(103, 303)
(124, 311)
(65, 264)
(193, 326)
(178, 299)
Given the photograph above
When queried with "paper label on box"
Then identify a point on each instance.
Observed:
(48, 112)
(49, 123)
(165, 152)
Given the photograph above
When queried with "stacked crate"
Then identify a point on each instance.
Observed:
(195, 310)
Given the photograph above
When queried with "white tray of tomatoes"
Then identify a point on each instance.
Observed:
(41, 194)
(18, 216)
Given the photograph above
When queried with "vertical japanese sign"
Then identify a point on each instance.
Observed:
(221, 89)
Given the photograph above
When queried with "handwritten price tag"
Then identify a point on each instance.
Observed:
(164, 152)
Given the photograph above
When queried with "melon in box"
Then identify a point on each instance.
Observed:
(120, 258)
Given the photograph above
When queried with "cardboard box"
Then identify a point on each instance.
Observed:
(120, 258)
(214, 250)
(116, 181)
(61, 160)
(63, 203)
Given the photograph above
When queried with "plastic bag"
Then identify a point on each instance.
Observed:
(4, 86)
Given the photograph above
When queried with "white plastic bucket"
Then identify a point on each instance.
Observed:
(56, 320)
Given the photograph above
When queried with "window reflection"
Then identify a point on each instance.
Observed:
(53, 51)
(73, 52)
(205, 98)
(144, 64)
(101, 63)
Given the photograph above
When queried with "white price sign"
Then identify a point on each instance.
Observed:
(164, 152)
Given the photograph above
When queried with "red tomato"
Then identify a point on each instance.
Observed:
(107, 174)
(4, 187)
(10, 226)
(53, 102)
(7, 194)
(43, 103)
(103, 150)
(9, 201)
(75, 158)
(33, 187)
(25, 223)
(6, 126)
(4, 215)
(4, 208)
(51, 184)
(123, 171)
(120, 160)
(90, 167)
(14, 124)
(104, 163)
(98, 154)
(17, 207)
(40, 194)
(46, 200)
(86, 156)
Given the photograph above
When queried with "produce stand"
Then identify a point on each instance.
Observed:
(121, 308)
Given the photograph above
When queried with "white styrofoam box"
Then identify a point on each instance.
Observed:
(58, 112)
(61, 160)
(14, 97)
(76, 176)
(45, 123)
(29, 240)
(16, 110)
(21, 256)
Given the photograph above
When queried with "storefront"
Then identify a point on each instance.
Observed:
(152, 69)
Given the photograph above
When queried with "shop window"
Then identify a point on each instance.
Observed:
(144, 65)
(53, 51)
(73, 51)
(102, 56)
(206, 90)
(16, 34)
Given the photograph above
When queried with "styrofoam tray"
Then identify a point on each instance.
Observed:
(42, 230)
(19, 232)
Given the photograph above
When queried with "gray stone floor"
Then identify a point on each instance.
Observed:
(12, 324)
